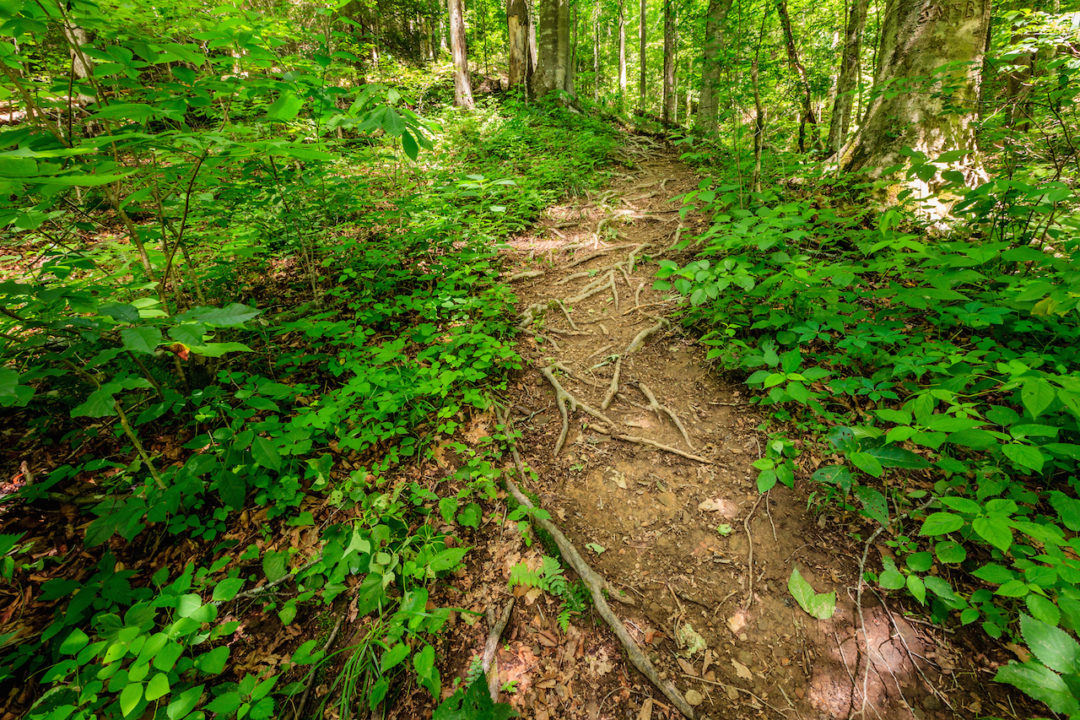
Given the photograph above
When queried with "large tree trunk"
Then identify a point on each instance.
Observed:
(596, 53)
(840, 121)
(462, 83)
(709, 102)
(669, 61)
(533, 52)
(808, 116)
(517, 35)
(622, 53)
(643, 32)
(564, 72)
(926, 89)
(572, 66)
(546, 77)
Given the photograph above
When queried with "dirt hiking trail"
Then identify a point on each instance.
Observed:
(644, 458)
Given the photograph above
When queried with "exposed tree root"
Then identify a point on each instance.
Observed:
(613, 389)
(649, 305)
(597, 584)
(601, 284)
(525, 275)
(614, 291)
(491, 646)
(598, 352)
(644, 335)
(568, 403)
(593, 255)
(625, 276)
(661, 446)
(550, 341)
(563, 368)
(637, 296)
(575, 276)
(660, 410)
(678, 232)
(566, 313)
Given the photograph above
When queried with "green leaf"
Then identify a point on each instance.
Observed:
(940, 523)
(74, 642)
(184, 703)
(1037, 394)
(231, 315)
(448, 559)
(130, 697)
(874, 504)
(213, 662)
(99, 404)
(1026, 456)
(286, 107)
(157, 687)
(227, 589)
(393, 657)
(867, 463)
(995, 530)
(920, 561)
(917, 588)
(950, 552)
(818, 605)
(1051, 645)
(1043, 609)
(408, 144)
(1040, 683)
(890, 578)
(141, 339)
(265, 453)
(274, 566)
(891, 456)
(1067, 508)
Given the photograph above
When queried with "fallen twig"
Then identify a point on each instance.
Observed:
(661, 446)
(750, 555)
(596, 585)
(525, 275)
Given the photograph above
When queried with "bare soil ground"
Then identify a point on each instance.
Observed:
(671, 515)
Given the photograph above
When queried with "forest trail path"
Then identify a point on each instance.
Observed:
(682, 530)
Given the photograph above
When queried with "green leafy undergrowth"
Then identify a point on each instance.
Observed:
(179, 416)
(940, 376)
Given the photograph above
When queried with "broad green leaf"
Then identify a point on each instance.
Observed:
(995, 530)
(1042, 608)
(1026, 456)
(874, 504)
(227, 589)
(286, 107)
(274, 565)
(74, 642)
(184, 703)
(818, 605)
(950, 552)
(1068, 509)
(393, 657)
(157, 687)
(940, 523)
(408, 144)
(867, 463)
(1051, 645)
(891, 456)
(265, 453)
(141, 339)
(917, 588)
(1037, 394)
(130, 697)
(1041, 683)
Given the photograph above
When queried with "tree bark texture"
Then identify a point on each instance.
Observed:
(546, 77)
(840, 121)
(926, 88)
(462, 83)
(622, 52)
(709, 102)
(643, 32)
(808, 116)
(563, 71)
(669, 61)
(517, 34)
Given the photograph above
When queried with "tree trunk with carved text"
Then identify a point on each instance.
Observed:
(926, 90)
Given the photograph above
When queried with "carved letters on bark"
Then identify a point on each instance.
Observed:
(947, 10)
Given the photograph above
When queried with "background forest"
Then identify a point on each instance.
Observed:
(250, 286)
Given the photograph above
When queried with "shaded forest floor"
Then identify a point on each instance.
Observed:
(662, 502)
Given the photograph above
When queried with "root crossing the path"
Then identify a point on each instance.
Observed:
(644, 465)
